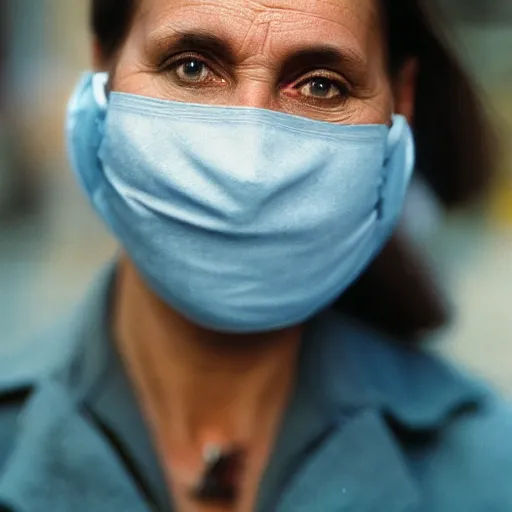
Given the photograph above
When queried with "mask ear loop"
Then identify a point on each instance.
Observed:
(398, 167)
(99, 88)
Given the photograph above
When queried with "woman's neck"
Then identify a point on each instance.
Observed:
(196, 386)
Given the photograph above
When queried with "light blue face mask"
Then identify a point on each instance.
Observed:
(242, 219)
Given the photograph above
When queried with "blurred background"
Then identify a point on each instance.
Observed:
(51, 244)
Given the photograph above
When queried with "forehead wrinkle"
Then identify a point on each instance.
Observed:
(258, 25)
(303, 7)
(256, 8)
(342, 22)
(182, 17)
(340, 14)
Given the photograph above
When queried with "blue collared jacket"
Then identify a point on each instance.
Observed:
(374, 426)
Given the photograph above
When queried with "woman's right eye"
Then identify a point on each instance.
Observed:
(192, 70)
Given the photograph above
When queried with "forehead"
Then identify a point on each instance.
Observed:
(263, 26)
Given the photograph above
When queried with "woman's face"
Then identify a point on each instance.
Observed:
(322, 59)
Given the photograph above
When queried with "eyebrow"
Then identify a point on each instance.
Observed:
(346, 60)
(198, 41)
(327, 56)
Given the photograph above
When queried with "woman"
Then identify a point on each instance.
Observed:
(252, 158)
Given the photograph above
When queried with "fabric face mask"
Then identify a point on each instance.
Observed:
(241, 219)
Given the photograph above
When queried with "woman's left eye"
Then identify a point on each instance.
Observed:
(322, 88)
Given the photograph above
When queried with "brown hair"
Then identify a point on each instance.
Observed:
(455, 153)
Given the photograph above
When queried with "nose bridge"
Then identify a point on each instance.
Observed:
(254, 92)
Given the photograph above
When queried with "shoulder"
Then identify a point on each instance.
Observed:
(50, 351)
(27, 363)
(51, 354)
(23, 368)
(454, 430)
(405, 380)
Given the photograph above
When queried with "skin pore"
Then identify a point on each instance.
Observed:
(321, 59)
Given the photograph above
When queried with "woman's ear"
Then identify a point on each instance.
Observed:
(405, 89)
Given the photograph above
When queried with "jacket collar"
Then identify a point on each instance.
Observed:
(356, 467)
(62, 463)
(59, 448)
(360, 381)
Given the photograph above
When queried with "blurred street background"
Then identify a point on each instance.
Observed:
(51, 244)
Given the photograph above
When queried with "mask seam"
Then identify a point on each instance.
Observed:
(236, 122)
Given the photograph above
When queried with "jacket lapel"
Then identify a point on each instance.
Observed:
(61, 462)
(357, 468)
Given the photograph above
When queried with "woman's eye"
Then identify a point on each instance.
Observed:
(322, 88)
(192, 70)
